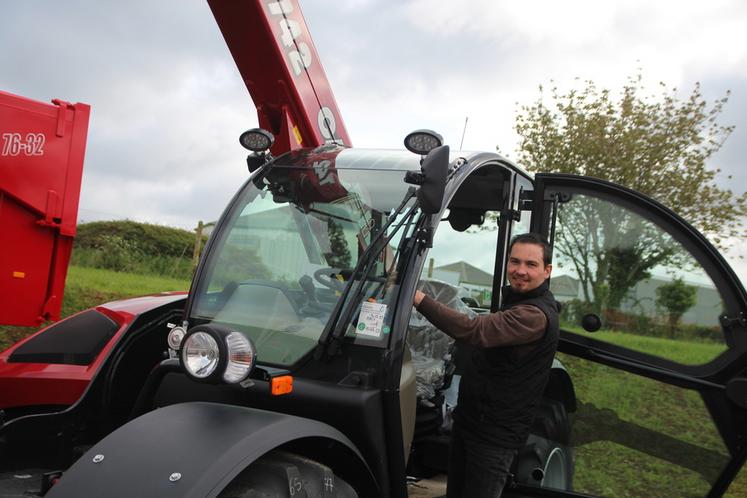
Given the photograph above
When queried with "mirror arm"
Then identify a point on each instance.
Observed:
(424, 236)
(415, 177)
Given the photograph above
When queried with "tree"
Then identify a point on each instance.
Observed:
(610, 249)
(657, 145)
(676, 297)
(339, 255)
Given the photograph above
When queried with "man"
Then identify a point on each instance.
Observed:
(509, 364)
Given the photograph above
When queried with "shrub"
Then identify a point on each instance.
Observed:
(128, 246)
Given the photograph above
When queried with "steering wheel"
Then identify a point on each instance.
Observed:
(324, 277)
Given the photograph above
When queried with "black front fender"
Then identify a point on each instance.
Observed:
(195, 450)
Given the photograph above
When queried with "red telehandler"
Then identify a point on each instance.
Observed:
(296, 366)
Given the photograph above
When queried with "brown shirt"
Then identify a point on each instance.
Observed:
(520, 324)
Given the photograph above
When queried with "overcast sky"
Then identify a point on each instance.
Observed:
(168, 103)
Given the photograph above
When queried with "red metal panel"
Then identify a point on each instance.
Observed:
(41, 164)
(277, 59)
(29, 384)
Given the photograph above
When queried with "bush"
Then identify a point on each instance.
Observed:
(128, 246)
(151, 240)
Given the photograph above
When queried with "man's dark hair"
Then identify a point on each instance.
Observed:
(536, 239)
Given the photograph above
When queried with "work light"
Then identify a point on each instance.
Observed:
(423, 141)
(256, 140)
(175, 337)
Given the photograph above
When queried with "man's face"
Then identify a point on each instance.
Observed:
(526, 268)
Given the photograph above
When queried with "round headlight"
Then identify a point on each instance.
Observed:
(175, 338)
(241, 355)
(200, 354)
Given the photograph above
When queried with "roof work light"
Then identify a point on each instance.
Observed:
(423, 141)
(256, 140)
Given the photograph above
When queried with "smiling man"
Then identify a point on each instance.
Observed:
(511, 352)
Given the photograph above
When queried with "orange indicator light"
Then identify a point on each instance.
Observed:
(281, 385)
(19, 274)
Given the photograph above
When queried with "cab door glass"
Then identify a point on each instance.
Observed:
(652, 296)
(463, 255)
(633, 436)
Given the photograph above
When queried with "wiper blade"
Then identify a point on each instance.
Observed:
(328, 340)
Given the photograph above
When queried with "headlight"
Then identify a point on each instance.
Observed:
(212, 353)
(200, 354)
(241, 356)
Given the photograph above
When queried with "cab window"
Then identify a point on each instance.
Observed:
(649, 291)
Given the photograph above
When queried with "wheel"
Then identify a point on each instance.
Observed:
(284, 475)
(547, 458)
(545, 463)
(551, 422)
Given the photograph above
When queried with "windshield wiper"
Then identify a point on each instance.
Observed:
(332, 334)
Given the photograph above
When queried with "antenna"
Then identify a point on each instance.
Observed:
(463, 132)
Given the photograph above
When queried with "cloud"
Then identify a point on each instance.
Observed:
(168, 103)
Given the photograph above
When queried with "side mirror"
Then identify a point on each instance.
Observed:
(435, 167)
(461, 219)
(591, 322)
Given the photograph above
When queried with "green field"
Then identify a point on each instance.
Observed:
(681, 351)
(636, 437)
(87, 287)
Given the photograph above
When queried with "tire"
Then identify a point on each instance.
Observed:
(551, 422)
(547, 459)
(286, 475)
(545, 463)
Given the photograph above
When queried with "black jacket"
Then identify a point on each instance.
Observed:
(502, 386)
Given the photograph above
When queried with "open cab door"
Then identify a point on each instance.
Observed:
(654, 336)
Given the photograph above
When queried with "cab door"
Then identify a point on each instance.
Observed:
(660, 387)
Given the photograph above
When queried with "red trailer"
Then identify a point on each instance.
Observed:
(41, 163)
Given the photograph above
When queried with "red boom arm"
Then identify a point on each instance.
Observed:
(276, 57)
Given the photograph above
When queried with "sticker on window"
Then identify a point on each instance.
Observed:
(371, 319)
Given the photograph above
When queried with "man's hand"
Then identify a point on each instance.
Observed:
(418, 297)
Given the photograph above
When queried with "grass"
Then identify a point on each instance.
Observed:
(125, 262)
(684, 352)
(636, 437)
(121, 284)
(88, 287)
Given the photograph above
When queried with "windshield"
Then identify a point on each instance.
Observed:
(283, 255)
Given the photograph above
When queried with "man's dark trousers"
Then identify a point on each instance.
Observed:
(476, 469)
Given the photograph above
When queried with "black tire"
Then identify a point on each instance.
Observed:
(286, 475)
(551, 422)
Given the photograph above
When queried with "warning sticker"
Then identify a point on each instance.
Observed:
(371, 319)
